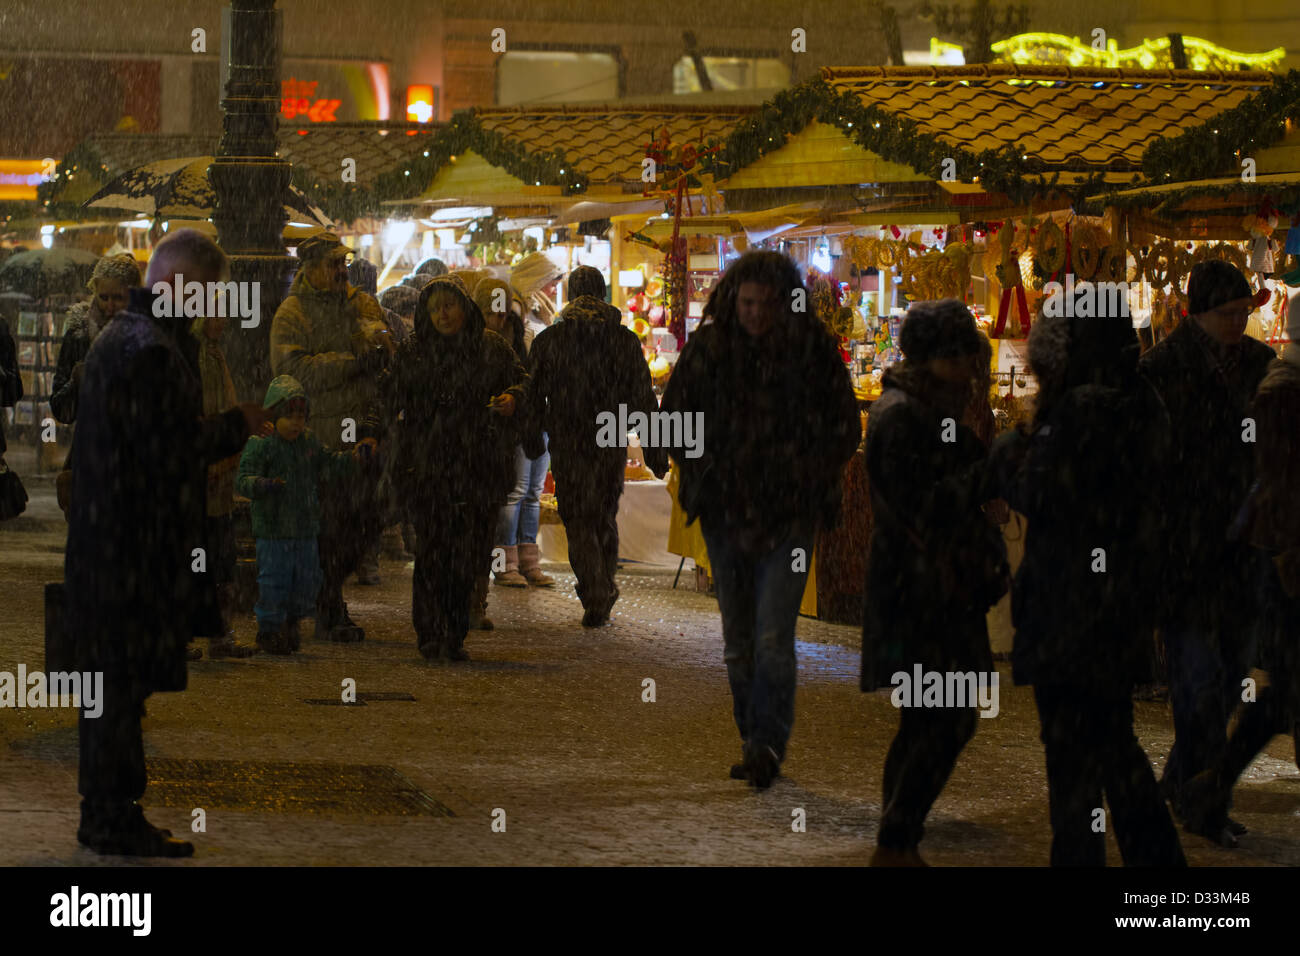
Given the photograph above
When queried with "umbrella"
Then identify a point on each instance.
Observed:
(179, 189)
(43, 272)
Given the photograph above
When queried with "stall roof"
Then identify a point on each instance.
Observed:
(607, 143)
(1060, 118)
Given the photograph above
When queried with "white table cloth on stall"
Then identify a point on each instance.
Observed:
(643, 515)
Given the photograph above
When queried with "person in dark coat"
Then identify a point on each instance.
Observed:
(459, 389)
(137, 582)
(1088, 479)
(11, 379)
(1207, 372)
(933, 564)
(780, 422)
(1273, 527)
(585, 366)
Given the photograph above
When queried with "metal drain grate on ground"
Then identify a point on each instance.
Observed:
(288, 788)
(361, 701)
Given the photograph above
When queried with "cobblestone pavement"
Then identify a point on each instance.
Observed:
(547, 724)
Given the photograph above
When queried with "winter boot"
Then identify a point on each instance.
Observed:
(120, 829)
(529, 557)
(391, 546)
(273, 642)
(292, 634)
(368, 567)
(478, 619)
(511, 577)
(226, 645)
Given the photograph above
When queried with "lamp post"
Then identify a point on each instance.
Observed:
(251, 184)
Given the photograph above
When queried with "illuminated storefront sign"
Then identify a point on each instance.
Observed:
(298, 99)
(20, 177)
(1045, 49)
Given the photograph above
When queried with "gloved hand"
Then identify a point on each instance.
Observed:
(270, 486)
(372, 360)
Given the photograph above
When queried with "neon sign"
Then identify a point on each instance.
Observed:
(1046, 49)
(298, 99)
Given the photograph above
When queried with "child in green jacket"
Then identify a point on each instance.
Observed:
(279, 474)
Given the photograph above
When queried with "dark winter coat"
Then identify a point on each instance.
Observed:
(581, 367)
(82, 326)
(1212, 467)
(926, 497)
(778, 431)
(1276, 410)
(451, 447)
(141, 473)
(1090, 478)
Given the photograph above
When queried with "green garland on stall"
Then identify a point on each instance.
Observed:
(1216, 147)
(890, 135)
(1166, 202)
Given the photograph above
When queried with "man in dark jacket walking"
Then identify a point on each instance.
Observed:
(934, 563)
(1089, 480)
(458, 388)
(1274, 529)
(582, 368)
(780, 422)
(1207, 372)
(138, 581)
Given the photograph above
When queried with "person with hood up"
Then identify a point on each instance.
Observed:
(331, 337)
(280, 474)
(583, 366)
(1272, 526)
(455, 393)
(531, 277)
(219, 396)
(1088, 476)
(780, 422)
(1207, 371)
(135, 595)
(937, 562)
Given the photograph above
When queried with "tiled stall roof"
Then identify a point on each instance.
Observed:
(607, 143)
(1065, 118)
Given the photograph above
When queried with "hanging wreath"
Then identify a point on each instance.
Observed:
(1161, 265)
(1114, 263)
(1087, 249)
(1049, 247)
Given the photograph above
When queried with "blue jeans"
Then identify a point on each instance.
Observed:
(521, 514)
(759, 597)
(288, 580)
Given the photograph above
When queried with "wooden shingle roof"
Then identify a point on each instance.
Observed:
(607, 143)
(1058, 117)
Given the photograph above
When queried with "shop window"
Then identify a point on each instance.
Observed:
(731, 73)
(556, 76)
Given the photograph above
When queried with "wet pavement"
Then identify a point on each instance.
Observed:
(547, 731)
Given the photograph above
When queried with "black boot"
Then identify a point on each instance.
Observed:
(120, 829)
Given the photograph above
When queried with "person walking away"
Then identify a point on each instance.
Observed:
(1088, 479)
(582, 368)
(1207, 372)
(937, 562)
(135, 593)
(280, 474)
(780, 422)
(219, 396)
(331, 337)
(1272, 525)
(455, 394)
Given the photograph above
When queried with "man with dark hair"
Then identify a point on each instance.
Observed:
(779, 423)
(1207, 371)
(135, 593)
(581, 368)
(331, 337)
(586, 280)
